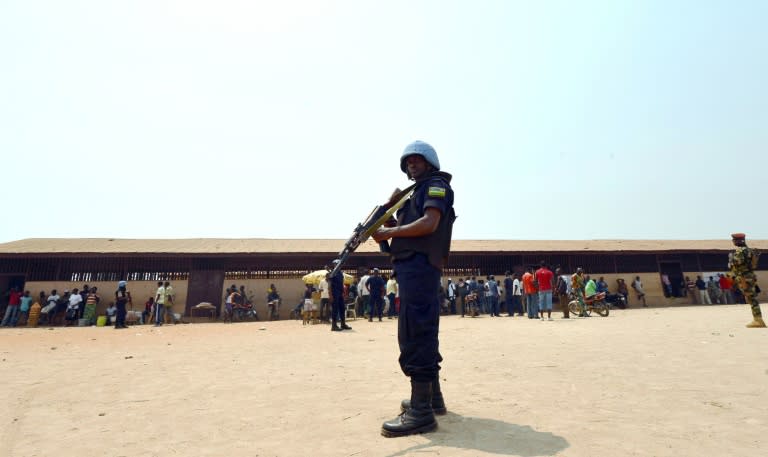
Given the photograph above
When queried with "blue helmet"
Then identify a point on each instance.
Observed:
(422, 149)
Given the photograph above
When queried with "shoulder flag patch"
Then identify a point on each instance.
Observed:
(436, 192)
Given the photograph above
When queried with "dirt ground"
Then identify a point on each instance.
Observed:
(687, 381)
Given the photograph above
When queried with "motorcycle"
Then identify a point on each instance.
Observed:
(616, 301)
(245, 312)
(594, 303)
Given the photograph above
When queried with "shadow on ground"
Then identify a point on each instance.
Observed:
(488, 435)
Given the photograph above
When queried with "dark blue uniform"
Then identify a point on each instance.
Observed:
(375, 286)
(337, 291)
(418, 264)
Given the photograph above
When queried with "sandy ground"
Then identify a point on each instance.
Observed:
(689, 381)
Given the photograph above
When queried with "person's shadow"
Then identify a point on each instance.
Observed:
(488, 435)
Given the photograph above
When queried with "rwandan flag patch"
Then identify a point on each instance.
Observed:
(436, 192)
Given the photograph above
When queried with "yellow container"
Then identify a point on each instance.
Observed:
(101, 321)
(34, 315)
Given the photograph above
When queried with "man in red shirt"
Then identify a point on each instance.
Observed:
(725, 285)
(545, 277)
(531, 297)
(12, 311)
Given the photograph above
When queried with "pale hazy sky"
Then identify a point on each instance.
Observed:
(286, 119)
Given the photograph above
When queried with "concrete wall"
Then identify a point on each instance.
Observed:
(292, 290)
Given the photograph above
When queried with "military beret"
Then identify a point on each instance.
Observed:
(738, 236)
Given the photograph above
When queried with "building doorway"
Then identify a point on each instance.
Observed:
(205, 286)
(674, 271)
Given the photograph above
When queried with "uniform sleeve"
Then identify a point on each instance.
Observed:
(438, 194)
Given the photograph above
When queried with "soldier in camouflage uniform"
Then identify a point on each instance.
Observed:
(742, 263)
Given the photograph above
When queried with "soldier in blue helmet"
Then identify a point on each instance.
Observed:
(420, 241)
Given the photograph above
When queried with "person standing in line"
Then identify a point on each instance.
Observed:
(325, 298)
(91, 301)
(493, 296)
(84, 297)
(725, 286)
(701, 288)
(531, 292)
(170, 297)
(365, 295)
(462, 291)
(561, 287)
(472, 289)
(421, 241)
(12, 311)
(508, 292)
(160, 304)
(73, 309)
(483, 285)
(50, 307)
(122, 299)
(713, 289)
(376, 288)
(517, 297)
(451, 291)
(391, 295)
(638, 286)
(24, 306)
(742, 262)
(545, 279)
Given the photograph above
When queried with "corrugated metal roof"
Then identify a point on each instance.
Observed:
(276, 246)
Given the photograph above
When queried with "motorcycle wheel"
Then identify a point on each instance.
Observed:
(573, 307)
(602, 309)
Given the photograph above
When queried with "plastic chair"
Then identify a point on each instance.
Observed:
(350, 311)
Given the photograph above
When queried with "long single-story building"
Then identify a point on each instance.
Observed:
(200, 269)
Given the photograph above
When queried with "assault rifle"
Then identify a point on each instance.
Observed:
(378, 217)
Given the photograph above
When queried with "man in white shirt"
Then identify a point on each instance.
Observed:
(517, 297)
(364, 294)
(50, 307)
(391, 295)
(638, 286)
(74, 305)
(159, 304)
(451, 290)
(325, 299)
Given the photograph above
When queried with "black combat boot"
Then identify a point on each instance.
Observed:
(334, 327)
(344, 325)
(419, 418)
(438, 402)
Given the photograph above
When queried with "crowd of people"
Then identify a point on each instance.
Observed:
(240, 305)
(716, 289)
(374, 296)
(78, 307)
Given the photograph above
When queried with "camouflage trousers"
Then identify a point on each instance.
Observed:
(747, 285)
